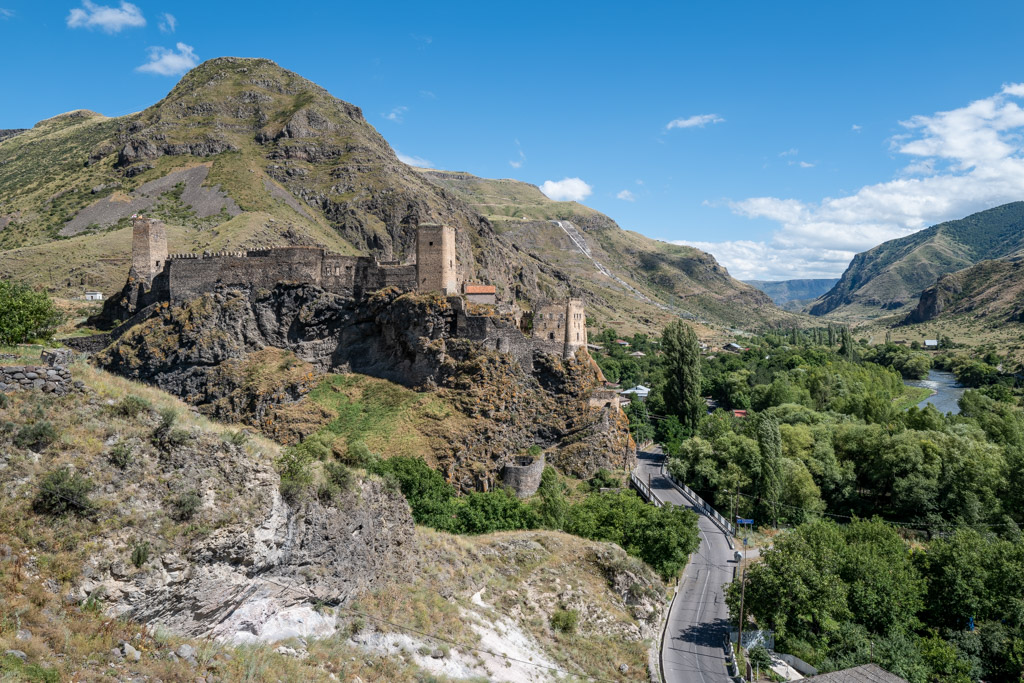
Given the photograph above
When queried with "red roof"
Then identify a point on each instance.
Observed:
(479, 289)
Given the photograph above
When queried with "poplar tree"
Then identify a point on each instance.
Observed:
(768, 481)
(682, 374)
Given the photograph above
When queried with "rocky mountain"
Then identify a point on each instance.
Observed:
(989, 291)
(242, 153)
(793, 291)
(893, 274)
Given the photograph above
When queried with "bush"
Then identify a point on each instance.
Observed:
(339, 479)
(185, 506)
(295, 468)
(121, 456)
(140, 553)
(63, 491)
(237, 438)
(565, 620)
(168, 417)
(36, 436)
(131, 406)
(26, 314)
(177, 437)
(758, 656)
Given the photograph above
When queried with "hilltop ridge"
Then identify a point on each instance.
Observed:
(242, 153)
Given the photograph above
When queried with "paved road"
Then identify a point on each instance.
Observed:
(697, 622)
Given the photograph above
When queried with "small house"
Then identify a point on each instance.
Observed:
(622, 342)
(931, 343)
(638, 354)
(594, 347)
(94, 296)
(480, 294)
(640, 390)
(739, 413)
(732, 347)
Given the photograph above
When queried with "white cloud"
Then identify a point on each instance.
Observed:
(639, 181)
(6, 13)
(566, 190)
(805, 164)
(855, 128)
(419, 162)
(626, 196)
(791, 152)
(108, 19)
(427, 95)
(397, 114)
(696, 121)
(518, 163)
(959, 161)
(167, 62)
(168, 23)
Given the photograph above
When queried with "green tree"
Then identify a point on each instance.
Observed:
(768, 478)
(682, 374)
(553, 507)
(26, 314)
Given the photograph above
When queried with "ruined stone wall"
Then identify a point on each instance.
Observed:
(190, 276)
(522, 475)
(436, 264)
(149, 248)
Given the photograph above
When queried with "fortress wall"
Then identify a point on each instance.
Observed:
(192, 277)
(549, 322)
(338, 273)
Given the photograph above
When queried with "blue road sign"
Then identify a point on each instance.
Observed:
(740, 520)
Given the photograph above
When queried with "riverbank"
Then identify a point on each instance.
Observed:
(912, 396)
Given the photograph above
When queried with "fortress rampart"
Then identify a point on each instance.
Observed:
(157, 277)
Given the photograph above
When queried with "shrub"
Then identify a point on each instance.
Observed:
(758, 656)
(140, 553)
(295, 468)
(63, 491)
(26, 314)
(237, 437)
(131, 406)
(339, 478)
(121, 456)
(177, 437)
(36, 436)
(185, 506)
(565, 620)
(168, 417)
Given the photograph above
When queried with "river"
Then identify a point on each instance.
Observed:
(947, 391)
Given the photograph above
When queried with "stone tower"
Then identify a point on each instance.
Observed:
(436, 265)
(149, 248)
(575, 327)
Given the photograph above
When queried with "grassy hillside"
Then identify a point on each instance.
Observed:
(632, 282)
(893, 274)
(989, 292)
(242, 153)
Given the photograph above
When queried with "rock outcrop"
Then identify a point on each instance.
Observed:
(204, 351)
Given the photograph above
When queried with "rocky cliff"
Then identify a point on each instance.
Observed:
(222, 352)
(989, 290)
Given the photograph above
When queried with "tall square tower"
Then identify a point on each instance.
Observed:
(436, 265)
(149, 248)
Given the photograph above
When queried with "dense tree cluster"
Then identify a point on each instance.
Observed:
(25, 314)
(662, 537)
(840, 595)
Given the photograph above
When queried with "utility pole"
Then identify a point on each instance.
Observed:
(743, 594)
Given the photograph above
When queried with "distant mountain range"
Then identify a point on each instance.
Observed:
(793, 294)
(242, 153)
(892, 276)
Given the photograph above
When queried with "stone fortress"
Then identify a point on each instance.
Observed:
(157, 277)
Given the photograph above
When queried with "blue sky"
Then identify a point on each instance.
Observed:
(781, 137)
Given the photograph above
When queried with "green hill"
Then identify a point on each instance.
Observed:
(893, 274)
(242, 153)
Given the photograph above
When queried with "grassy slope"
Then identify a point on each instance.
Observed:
(679, 278)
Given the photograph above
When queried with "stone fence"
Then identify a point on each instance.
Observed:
(54, 378)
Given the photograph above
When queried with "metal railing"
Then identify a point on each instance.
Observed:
(644, 490)
(701, 506)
